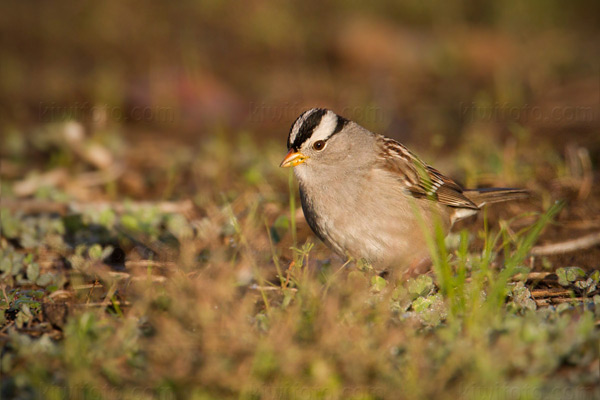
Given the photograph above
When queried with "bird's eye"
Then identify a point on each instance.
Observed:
(319, 145)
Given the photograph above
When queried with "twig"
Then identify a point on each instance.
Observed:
(532, 276)
(550, 293)
(109, 294)
(270, 288)
(62, 294)
(539, 275)
(166, 207)
(88, 286)
(34, 206)
(153, 278)
(289, 270)
(149, 263)
(572, 300)
(559, 300)
(568, 246)
(41, 206)
(125, 275)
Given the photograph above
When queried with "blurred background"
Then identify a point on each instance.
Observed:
(416, 71)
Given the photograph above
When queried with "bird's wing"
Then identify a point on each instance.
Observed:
(419, 179)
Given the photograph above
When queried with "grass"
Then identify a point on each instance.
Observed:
(239, 301)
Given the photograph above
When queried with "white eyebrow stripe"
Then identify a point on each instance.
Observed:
(299, 122)
(326, 127)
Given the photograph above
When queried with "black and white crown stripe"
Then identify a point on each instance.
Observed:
(316, 123)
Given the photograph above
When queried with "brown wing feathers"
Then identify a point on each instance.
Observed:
(425, 181)
(422, 180)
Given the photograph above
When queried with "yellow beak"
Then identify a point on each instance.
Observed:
(293, 158)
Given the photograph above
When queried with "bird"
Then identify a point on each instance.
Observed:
(366, 196)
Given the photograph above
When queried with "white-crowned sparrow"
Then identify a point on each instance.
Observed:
(368, 196)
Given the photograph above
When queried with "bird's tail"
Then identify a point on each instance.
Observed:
(482, 197)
